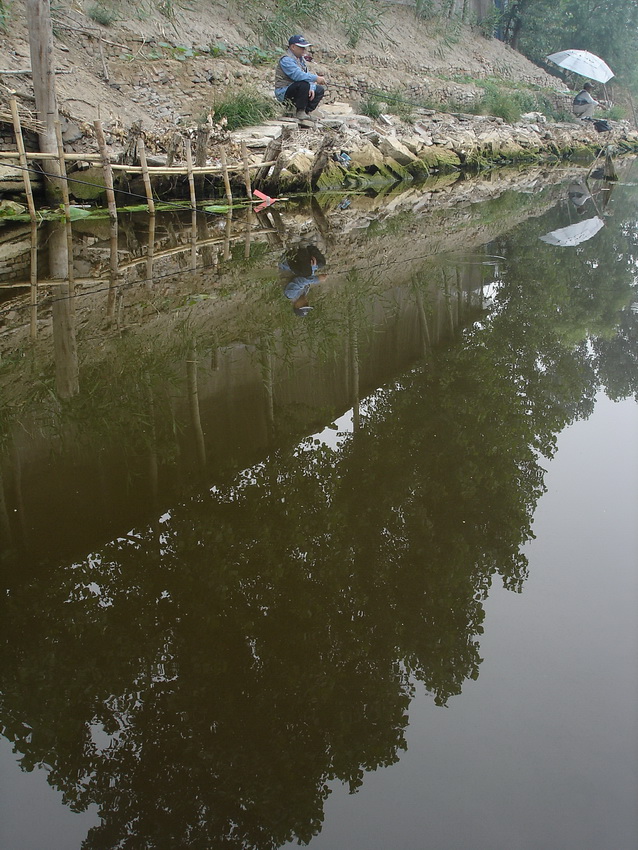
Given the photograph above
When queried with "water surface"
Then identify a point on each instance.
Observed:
(314, 570)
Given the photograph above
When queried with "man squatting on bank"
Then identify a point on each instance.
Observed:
(294, 82)
(584, 104)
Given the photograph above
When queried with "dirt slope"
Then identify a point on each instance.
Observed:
(139, 68)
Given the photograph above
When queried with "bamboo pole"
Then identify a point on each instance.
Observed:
(23, 158)
(189, 168)
(244, 156)
(33, 270)
(229, 194)
(135, 169)
(141, 150)
(94, 157)
(108, 173)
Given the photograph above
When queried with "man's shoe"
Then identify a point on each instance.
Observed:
(304, 120)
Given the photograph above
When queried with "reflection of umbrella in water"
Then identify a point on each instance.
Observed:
(566, 237)
(584, 63)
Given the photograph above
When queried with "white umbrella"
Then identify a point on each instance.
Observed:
(584, 63)
(567, 237)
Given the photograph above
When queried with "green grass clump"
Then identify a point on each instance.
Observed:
(244, 108)
(101, 14)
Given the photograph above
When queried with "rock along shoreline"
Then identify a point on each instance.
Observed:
(350, 151)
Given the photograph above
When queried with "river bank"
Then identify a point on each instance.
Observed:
(142, 80)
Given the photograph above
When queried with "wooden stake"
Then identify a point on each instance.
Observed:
(141, 150)
(108, 173)
(191, 179)
(23, 158)
(244, 156)
(229, 194)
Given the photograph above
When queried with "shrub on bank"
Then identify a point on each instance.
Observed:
(244, 108)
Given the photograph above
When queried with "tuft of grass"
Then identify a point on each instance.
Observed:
(371, 106)
(4, 16)
(102, 14)
(615, 113)
(243, 108)
(424, 9)
(361, 18)
(276, 28)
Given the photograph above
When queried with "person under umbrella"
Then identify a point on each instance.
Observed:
(584, 104)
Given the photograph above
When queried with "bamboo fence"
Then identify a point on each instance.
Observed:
(243, 169)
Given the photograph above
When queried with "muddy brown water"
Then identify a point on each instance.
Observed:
(319, 525)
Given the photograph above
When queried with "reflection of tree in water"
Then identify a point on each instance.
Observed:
(262, 638)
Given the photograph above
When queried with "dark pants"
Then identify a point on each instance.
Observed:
(298, 94)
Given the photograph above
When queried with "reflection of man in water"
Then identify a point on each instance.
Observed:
(301, 265)
(578, 194)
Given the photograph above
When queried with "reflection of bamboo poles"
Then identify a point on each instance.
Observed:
(5, 524)
(194, 240)
(353, 363)
(228, 234)
(33, 268)
(179, 249)
(193, 403)
(150, 250)
(63, 315)
(269, 387)
(423, 321)
(113, 270)
(22, 158)
(141, 150)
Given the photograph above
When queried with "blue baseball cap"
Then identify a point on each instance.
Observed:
(299, 40)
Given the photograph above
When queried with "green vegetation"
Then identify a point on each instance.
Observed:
(243, 108)
(4, 15)
(608, 28)
(360, 18)
(102, 14)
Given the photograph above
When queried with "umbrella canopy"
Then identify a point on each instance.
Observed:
(584, 63)
(567, 237)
